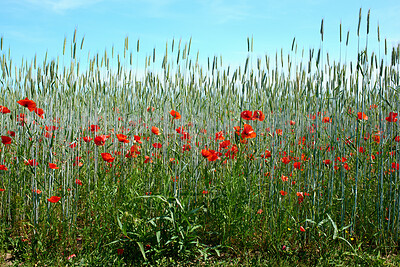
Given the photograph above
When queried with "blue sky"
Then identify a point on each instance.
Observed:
(217, 27)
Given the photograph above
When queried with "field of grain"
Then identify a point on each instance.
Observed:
(292, 157)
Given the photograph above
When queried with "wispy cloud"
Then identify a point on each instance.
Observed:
(63, 5)
(226, 11)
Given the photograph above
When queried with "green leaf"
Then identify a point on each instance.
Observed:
(335, 229)
(140, 244)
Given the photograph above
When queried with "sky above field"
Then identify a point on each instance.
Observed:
(217, 27)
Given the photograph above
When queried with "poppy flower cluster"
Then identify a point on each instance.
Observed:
(210, 154)
(392, 117)
(250, 116)
(31, 106)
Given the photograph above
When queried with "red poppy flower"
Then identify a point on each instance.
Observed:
(73, 144)
(219, 136)
(4, 110)
(100, 140)
(326, 161)
(31, 162)
(150, 109)
(361, 149)
(54, 199)
(258, 115)
(122, 138)
(292, 123)
(94, 128)
(395, 166)
(11, 133)
(284, 178)
(39, 112)
(87, 139)
(302, 229)
(392, 117)
(185, 136)
(2, 190)
(279, 132)
(31, 105)
(231, 153)
(147, 159)
(179, 130)
(3, 168)
(225, 144)
(362, 116)
(107, 157)
(246, 115)
(157, 145)
(285, 160)
(211, 155)
(267, 154)
(78, 182)
(297, 165)
(248, 132)
(175, 114)
(155, 130)
(326, 120)
(205, 153)
(341, 159)
(283, 193)
(37, 191)
(6, 140)
(346, 166)
(120, 251)
(53, 166)
(397, 139)
(137, 139)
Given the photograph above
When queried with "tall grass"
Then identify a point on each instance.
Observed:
(153, 207)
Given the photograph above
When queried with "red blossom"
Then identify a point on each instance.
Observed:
(53, 166)
(87, 139)
(362, 116)
(6, 140)
(248, 132)
(54, 199)
(258, 115)
(157, 145)
(100, 140)
(285, 160)
(175, 114)
(155, 130)
(39, 112)
(246, 115)
(392, 117)
(31, 162)
(122, 138)
(4, 110)
(107, 157)
(30, 104)
(94, 128)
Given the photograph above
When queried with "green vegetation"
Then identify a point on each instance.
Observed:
(276, 163)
